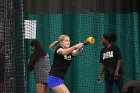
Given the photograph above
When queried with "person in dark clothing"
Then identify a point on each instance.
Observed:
(2, 65)
(61, 62)
(111, 59)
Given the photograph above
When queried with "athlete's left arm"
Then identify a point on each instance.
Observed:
(119, 62)
(76, 52)
(118, 65)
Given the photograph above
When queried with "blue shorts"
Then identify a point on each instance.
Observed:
(54, 81)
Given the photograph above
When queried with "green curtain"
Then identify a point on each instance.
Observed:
(82, 75)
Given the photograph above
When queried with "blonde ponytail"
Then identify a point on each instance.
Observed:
(53, 44)
(61, 38)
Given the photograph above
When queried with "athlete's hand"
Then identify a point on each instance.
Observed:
(99, 78)
(79, 45)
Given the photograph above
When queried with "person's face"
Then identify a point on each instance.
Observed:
(104, 41)
(66, 42)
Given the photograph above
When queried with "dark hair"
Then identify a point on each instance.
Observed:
(110, 37)
(38, 52)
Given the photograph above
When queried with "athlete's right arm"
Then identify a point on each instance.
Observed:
(67, 51)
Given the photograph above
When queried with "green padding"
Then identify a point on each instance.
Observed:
(82, 75)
